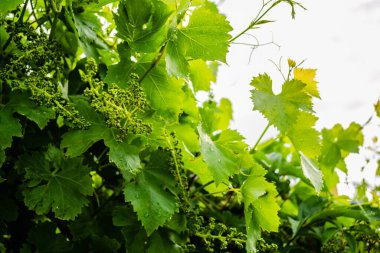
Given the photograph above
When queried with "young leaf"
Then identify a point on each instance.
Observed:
(283, 109)
(206, 36)
(307, 77)
(311, 171)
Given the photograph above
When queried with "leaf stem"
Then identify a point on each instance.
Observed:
(261, 136)
(257, 19)
(154, 62)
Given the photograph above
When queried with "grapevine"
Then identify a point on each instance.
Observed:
(106, 147)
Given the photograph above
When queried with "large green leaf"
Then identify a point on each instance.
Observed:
(54, 183)
(141, 23)
(151, 193)
(206, 36)
(8, 5)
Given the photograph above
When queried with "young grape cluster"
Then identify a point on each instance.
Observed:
(211, 236)
(36, 67)
(119, 106)
(177, 170)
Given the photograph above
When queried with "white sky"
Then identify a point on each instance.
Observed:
(341, 38)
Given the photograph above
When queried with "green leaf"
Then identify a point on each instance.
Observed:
(176, 64)
(206, 36)
(2, 160)
(281, 110)
(160, 242)
(163, 93)
(225, 155)
(338, 142)
(311, 171)
(124, 155)
(57, 184)
(9, 127)
(201, 75)
(216, 117)
(76, 142)
(91, 42)
(151, 193)
(21, 104)
(303, 135)
(8, 5)
(142, 24)
(260, 206)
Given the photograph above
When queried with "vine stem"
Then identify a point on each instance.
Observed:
(261, 136)
(154, 62)
(256, 20)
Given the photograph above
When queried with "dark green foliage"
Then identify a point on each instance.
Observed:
(104, 147)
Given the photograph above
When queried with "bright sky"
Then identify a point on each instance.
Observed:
(341, 38)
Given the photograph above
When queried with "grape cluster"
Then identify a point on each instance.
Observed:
(265, 247)
(36, 68)
(177, 170)
(211, 236)
(120, 107)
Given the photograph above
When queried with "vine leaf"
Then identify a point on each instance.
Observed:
(216, 117)
(260, 206)
(8, 5)
(337, 143)
(55, 183)
(9, 127)
(125, 156)
(21, 104)
(206, 36)
(151, 193)
(225, 155)
(163, 93)
(282, 109)
(76, 142)
(311, 171)
(307, 77)
(176, 63)
(142, 23)
(303, 135)
(201, 75)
